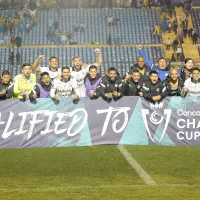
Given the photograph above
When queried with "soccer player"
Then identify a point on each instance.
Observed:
(53, 70)
(92, 81)
(132, 86)
(162, 68)
(111, 86)
(173, 83)
(185, 71)
(153, 90)
(42, 89)
(6, 86)
(192, 85)
(80, 70)
(65, 87)
(24, 83)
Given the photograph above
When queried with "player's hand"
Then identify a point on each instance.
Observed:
(3, 91)
(97, 51)
(141, 94)
(41, 57)
(140, 47)
(74, 96)
(34, 96)
(92, 92)
(115, 93)
(109, 95)
(57, 96)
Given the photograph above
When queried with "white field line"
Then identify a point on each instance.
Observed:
(136, 166)
(99, 187)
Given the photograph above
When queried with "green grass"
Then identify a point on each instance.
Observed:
(178, 165)
(35, 171)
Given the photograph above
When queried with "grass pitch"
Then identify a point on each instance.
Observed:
(99, 172)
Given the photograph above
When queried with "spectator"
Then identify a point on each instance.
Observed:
(173, 59)
(175, 44)
(194, 37)
(156, 29)
(178, 52)
(18, 58)
(24, 83)
(168, 43)
(82, 27)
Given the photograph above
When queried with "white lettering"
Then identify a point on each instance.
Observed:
(108, 116)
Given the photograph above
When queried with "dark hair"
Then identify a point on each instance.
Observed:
(52, 58)
(44, 74)
(153, 72)
(112, 69)
(187, 59)
(92, 67)
(135, 71)
(63, 68)
(162, 58)
(26, 64)
(5, 72)
(195, 68)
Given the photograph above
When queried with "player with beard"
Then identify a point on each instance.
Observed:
(111, 86)
(185, 71)
(142, 68)
(173, 83)
(66, 86)
(6, 86)
(53, 70)
(42, 89)
(80, 70)
(24, 83)
(133, 85)
(153, 90)
(162, 68)
(92, 81)
(192, 85)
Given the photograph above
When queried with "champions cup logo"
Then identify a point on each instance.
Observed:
(156, 118)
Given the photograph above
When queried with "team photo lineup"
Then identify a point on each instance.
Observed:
(99, 99)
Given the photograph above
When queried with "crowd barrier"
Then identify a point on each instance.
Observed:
(129, 121)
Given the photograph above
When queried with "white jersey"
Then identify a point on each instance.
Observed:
(51, 73)
(193, 88)
(80, 77)
(64, 88)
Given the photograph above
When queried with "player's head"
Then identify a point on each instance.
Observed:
(77, 62)
(162, 63)
(45, 78)
(5, 77)
(135, 75)
(65, 73)
(153, 77)
(173, 74)
(112, 73)
(26, 70)
(53, 63)
(93, 71)
(188, 63)
(196, 74)
(140, 61)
